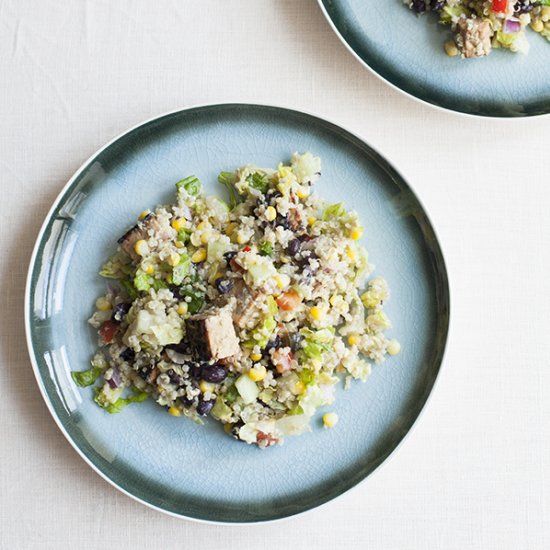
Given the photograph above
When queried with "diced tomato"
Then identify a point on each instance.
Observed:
(247, 249)
(268, 438)
(107, 331)
(282, 360)
(289, 300)
(500, 6)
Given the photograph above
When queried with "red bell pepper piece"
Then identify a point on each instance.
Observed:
(107, 331)
(500, 6)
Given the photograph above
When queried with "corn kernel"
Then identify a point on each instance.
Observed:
(351, 253)
(285, 172)
(205, 237)
(144, 214)
(141, 247)
(199, 256)
(311, 220)
(316, 313)
(174, 411)
(393, 347)
(303, 193)
(205, 386)
(179, 244)
(148, 268)
(545, 13)
(103, 304)
(282, 280)
(182, 308)
(227, 427)
(354, 339)
(195, 238)
(230, 228)
(330, 420)
(369, 299)
(202, 225)
(450, 48)
(356, 233)
(242, 239)
(270, 213)
(257, 373)
(178, 223)
(173, 259)
(537, 25)
(299, 387)
(256, 356)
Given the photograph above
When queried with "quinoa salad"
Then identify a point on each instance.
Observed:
(479, 26)
(249, 311)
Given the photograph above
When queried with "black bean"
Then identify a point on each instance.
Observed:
(195, 371)
(224, 285)
(295, 340)
(204, 407)
(175, 378)
(523, 6)
(182, 347)
(186, 402)
(437, 5)
(235, 428)
(282, 221)
(214, 373)
(419, 6)
(306, 276)
(119, 311)
(273, 344)
(145, 371)
(228, 256)
(294, 247)
(128, 354)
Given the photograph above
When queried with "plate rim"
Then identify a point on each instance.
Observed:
(417, 99)
(444, 285)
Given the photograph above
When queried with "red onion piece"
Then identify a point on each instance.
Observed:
(512, 26)
(115, 379)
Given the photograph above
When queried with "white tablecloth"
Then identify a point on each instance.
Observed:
(475, 472)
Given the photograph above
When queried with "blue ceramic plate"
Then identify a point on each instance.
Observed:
(407, 52)
(196, 471)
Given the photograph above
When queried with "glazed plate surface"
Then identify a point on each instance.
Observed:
(196, 471)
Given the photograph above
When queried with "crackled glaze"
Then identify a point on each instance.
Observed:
(408, 53)
(198, 471)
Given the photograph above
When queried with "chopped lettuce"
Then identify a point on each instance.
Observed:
(221, 411)
(305, 167)
(183, 235)
(181, 270)
(333, 211)
(191, 184)
(296, 409)
(247, 388)
(266, 249)
(87, 377)
(258, 181)
(217, 248)
(196, 298)
(228, 179)
(113, 406)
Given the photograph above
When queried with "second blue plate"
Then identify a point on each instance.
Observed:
(407, 51)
